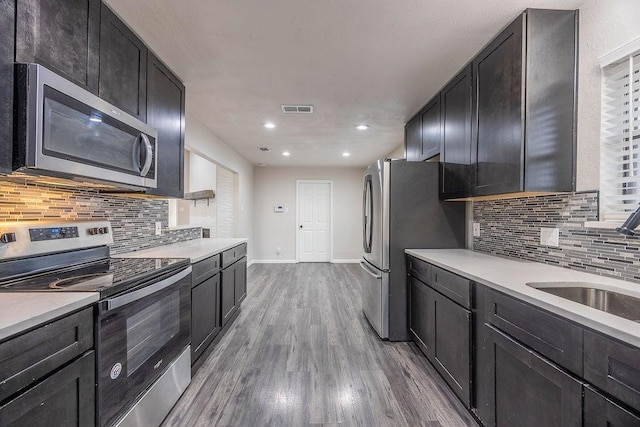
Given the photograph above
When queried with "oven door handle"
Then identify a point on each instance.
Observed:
(113, 303)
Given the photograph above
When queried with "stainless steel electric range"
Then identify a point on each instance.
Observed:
(142, 320)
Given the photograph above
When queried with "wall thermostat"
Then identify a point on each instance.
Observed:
(278, 208)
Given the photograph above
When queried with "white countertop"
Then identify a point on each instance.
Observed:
(511, 275)
(196, 249)
(20, 311)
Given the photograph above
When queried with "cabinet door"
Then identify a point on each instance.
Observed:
(7, 57)
(62, 35)
(205, 315)
(419, 310)
(228, 293)
(241, 281)
(529, 390)
(450, 326)
(413, 139)
(600, 411)
(165, 113)
(123, 66)
(66, 398)
(430, 118)
(498, 143)
(455, 109)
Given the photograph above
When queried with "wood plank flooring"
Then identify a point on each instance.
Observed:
(302, 353)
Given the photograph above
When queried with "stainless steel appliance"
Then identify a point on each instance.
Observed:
(401, 210)
(64, 131)
(142, 321)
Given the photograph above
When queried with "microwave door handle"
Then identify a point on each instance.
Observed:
(116, 302)
(148, 154)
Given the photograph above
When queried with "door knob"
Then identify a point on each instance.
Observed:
(300, 227)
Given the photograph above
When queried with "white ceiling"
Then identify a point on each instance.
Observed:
(357, 61)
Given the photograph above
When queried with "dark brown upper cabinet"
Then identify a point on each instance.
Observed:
(165, 113)
(524, 87)
(422, 133)
(456, 115)
(123, 66)
(7, 54)
(430, 118)
(413, 139)
(61, 35)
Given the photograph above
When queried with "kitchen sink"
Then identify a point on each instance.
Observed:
(592, 295)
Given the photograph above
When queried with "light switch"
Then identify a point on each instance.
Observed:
(476, 229)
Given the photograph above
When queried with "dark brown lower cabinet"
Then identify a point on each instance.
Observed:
(600, 411)
(529, 390)
(613, 367)
(234, 288)
(228, 294)
(450, 329)
(66, 398)
(241, 280)
(205, 315)
(419, 304)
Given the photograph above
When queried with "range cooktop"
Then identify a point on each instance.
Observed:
(108, 277)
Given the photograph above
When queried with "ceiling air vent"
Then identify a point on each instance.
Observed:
(297, 109)
(264, 149)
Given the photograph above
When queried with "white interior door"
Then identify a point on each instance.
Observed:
(314, 221)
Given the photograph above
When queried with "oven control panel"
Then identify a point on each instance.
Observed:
(24, 239)
(52, 233)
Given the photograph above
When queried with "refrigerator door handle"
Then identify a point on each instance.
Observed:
(367, 220)
(369, 272)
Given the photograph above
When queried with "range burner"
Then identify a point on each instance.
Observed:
(88, 282)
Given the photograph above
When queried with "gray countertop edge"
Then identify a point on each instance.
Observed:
(26, 310)
(623, 329)
(196, 249)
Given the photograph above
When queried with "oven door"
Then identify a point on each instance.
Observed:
(139, 334)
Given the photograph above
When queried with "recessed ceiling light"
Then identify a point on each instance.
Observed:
(362, 127)
(286, 153)
(269, 125)
(346, 154)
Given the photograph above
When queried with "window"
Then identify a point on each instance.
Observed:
(620, 138)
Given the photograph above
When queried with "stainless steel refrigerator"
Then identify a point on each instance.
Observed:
(401, 210)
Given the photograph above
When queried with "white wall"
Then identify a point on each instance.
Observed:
(398, 153)
(200, 140)
(604, 26)
(277, 186)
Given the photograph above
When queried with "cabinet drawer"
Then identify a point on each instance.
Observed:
(613, 366)
(549, 335)
(602, 412)
(29, 357)
(204, 269)
(234, 254)
(452, 286)
(419, 269)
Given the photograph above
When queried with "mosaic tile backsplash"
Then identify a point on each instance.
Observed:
(133, 219)
(511, 227)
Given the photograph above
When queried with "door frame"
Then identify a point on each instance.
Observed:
(297, 225)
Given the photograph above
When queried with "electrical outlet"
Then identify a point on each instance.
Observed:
(158, 228)
(278, 250)
(476, 229)
(550, 237)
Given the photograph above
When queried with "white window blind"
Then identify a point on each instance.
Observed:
(620, 148)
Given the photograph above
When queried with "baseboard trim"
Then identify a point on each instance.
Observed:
(274, 261)
(345, 261)
(250, 263)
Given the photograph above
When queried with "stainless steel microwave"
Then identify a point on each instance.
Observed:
(64, 131)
